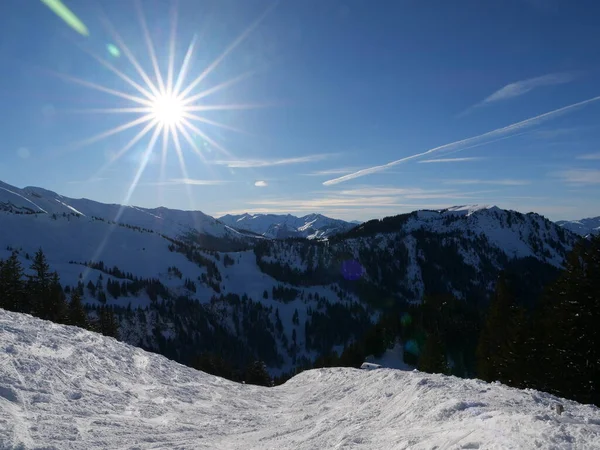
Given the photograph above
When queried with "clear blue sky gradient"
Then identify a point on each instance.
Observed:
(346, 85)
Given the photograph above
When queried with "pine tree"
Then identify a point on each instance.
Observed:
(77, 315)
(107, 323)
(12, 295)
(501, 342)
(570, 331)
(38, 286)
(56, 305)
(433, 356)
(256, 373)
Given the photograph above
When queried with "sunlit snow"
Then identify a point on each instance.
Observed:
(66, 388)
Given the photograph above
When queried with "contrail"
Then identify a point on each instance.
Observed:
(494, 133)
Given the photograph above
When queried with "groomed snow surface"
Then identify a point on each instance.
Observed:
(66, 388)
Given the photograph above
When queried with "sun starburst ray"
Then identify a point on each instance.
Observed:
(172, 41)
(197, 118)
(134, 140)
(163, 153)
(98, 87)
(114, 131)
(120, 74)
(142, 167)
(182, 167)
(225, 107)
(204, 136)
(184, 67)
(241, 38)
(212, 90)
(132, 59)
(150, 45)
(146, 110)
(190, 141)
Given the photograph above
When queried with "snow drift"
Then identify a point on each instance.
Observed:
(66, 388)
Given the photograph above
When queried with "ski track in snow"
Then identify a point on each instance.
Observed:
(66, 388)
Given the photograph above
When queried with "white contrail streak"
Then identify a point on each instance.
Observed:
(490, 134)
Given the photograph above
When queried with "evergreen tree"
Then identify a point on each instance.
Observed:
(56, 305)
(256, 373)
(12, 294)
(77, 315)
(501, 351)
(38, 286)
(433, 356)
(569, 336)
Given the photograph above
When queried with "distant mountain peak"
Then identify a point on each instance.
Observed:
(583, 227)
(282, 226)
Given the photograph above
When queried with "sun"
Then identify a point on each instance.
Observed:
(167, 104)
(168, 110)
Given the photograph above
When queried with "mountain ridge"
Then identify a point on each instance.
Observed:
(583, 227)
(282, 226)
(284, 301)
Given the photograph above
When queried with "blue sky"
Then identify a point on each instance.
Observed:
(470, 102)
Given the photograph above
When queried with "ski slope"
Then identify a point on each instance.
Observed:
(66, 388)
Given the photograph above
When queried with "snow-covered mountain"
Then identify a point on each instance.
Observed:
(285, 302)
(35, 200)
(584, 227)
(63, 387)
(280, 226)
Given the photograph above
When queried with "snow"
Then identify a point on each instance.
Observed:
(509, 231)
(280, 226)
(65, 388)
(392, 358)
(468, 209)
(162, 220)
(583, 227)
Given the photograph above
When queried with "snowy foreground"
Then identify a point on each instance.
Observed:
(62, 387)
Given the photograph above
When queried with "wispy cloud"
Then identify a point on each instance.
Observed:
(580, 176)
(90, 180)
(188, 181)
(482, 139)
(556, 132)
(327, 172)
(589, 156)
(253, 163)
(451, 160)
(412, 193)
(522, 87)
(261, 183)
(504, 182)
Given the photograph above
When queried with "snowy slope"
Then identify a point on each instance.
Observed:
(80, 239)
(66, 388)
(161, 220)
(312, 226)
(515, 234)
(583, 227)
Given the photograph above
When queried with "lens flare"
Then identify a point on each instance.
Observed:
(67, 15)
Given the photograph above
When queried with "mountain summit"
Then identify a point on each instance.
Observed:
(282, 226)
(583, 227)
